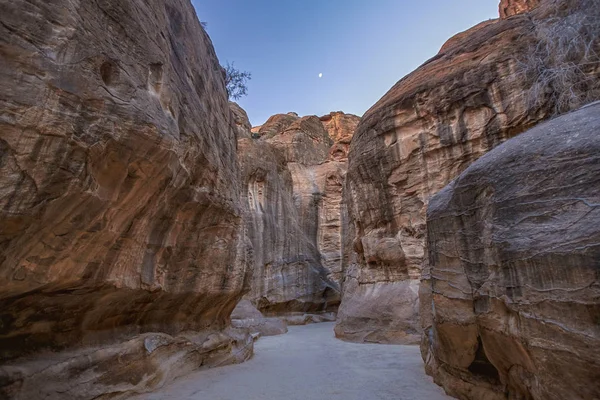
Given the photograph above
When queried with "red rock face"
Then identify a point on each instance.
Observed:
(341, 128)
(513, 256)
(119, 187)
(508, 8)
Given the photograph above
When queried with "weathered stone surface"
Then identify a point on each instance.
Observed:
(245, 315)
(240, 118)
(508, 8)
(276, 124)
(328, 179)
(293, 190)
(288, 275)
(120, 211)
(461, 36)
(514, 300)
(305, 141)
(428, 128)
(147, 361)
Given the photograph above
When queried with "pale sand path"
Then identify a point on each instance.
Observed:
(308, 363)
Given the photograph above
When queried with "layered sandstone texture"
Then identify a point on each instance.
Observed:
(426, 130)
(513, 252)
(508, 8)
(119, 198)
(292, 171)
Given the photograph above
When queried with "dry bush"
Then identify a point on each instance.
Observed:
(564, 63)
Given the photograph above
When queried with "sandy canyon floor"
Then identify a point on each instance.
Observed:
(308, 363)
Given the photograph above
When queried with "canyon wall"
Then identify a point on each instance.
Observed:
(514, 298)
(292, 171)
(119, 199)
(427, 129)
(485, 86)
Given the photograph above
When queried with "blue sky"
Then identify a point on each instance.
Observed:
(361, 47)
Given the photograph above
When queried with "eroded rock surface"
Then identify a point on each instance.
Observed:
(119, 197)
(341, 128)
(514, 300)
(509, 8)
(117, 371)
(293, 177)
(245, 315)
(427, 129)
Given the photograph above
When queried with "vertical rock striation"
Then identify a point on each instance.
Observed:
(288, 276)
(293, 179)
(119, 198)
(514, 255)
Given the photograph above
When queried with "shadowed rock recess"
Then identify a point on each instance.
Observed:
(121, 235)
(469, 98)
(514, 250)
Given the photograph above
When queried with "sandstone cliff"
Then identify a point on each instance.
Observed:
(292, 178)
(514, 300)
(121, 219)
(427, 129)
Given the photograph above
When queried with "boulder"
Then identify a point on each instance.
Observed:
(513, 302)
(245, 315)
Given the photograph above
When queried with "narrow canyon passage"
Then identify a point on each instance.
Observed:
(150, 226)
(309, 363)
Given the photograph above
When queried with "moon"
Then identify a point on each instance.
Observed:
(320, 75)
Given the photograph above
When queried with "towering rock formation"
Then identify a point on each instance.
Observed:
(293, 179)
(427, 129)
(514, 255)
(121, 219)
